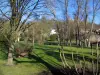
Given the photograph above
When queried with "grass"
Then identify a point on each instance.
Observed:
(22, 69)
(45, 58)
(78, 53)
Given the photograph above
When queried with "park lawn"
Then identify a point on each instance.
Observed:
(45, 58)
(78, 53)
(22, 68)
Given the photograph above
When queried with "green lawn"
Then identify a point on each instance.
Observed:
(45, 58)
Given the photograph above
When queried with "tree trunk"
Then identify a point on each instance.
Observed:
(78, 36)
(85, 43)
(97, 66)
(18, 39)
(70, 42)
(76, 39)
(19, 34)
(33, 35)
(33, 41)
(10, 56)
(89, 44)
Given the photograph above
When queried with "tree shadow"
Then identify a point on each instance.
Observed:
(77, 57)
(51, 51)
(18, 61)
(54, 70)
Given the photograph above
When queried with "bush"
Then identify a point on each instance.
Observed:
(53, 37)
(3, 51)
(23, 48)
(51, 43)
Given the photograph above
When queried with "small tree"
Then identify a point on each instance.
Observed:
(17, 9)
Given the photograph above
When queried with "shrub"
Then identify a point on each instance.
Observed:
(3, 51)
(51, 43)
(23, 48)
(53, 37)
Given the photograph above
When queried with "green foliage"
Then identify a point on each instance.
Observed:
(3, 55)
(3, 51)
(40, 30)
(51, 43)
(2, 38)
(5, 31)
(53, 37)
(22, 46)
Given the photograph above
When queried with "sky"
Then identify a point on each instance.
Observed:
(71, 10)
(59, 11)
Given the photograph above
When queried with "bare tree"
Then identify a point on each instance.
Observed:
(61, 28)
(77, 18)
(95, 9)
(18, 9)
(86, 11)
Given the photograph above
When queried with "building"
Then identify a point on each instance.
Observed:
(53, 31)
